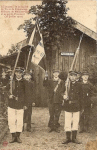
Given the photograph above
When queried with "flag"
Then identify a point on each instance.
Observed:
(36, 40)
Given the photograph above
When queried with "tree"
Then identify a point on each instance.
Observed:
(55, 25)
(13, 49)
(92, 69)
(0, 56)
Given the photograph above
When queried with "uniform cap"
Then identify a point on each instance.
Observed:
(72, 72)
(85, 73)
(56, 71)
(19, 69)
(78, 72)
(27, 73)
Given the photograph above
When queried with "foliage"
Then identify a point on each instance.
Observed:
(55, 25)
(13, 49)
(92, 68)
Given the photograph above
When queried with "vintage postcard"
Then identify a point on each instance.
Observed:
(48, 75)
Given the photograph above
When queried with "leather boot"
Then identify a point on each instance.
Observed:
(25, 127)
(18, 137)
(68, 138)
(13, 138)
(74, 140)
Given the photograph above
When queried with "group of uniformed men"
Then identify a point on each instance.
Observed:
(20, 101)
(76, 104)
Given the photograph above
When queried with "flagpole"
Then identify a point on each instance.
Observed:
(76, 54)
(30, 43)
(28, 58)
(14, 70)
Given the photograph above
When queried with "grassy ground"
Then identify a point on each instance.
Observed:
(40, 139)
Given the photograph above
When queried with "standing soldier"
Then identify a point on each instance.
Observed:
(55, 90)
(16, 104)
(87, 91)
(72, 106)
(78, 77)
(3, 83)
(29, 98)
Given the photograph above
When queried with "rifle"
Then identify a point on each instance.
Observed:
(72, 65)
(14, 70)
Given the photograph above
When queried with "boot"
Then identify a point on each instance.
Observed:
(25, 127)
(29, 127)
(74, 140)
(68, 139)
(18, 137)
(51, 130)
(13, 138)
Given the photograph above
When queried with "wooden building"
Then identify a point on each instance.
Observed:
(87, 53)
(62, 59)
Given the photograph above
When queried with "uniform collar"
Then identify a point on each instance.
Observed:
(19, 79)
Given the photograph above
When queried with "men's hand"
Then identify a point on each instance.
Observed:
(91, 105)
(33, 104)
(11, 96)
(11, 78)
(65, 97)
(66, 83)
(63, 103)
(25, 108)
(82, 111)
(45, 78)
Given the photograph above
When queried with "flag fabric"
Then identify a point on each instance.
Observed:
(32, 37)
(36, 40)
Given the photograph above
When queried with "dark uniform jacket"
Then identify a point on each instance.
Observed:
(73, 104)
(29, 92)
(18, 101)
(3, 83)
(87, 91)
(54, 97)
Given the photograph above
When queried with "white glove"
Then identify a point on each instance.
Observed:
(33, 104)
(10, 96)
(65, 96)
(25, 107)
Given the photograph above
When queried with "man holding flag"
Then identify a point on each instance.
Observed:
(72, 107)
(16, 106)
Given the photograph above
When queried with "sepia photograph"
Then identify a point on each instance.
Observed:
(48, 75)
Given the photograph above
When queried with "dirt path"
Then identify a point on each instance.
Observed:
(40, 139)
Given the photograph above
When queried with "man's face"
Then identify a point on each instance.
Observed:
(72, 78)
(56, 76)
(85, 77)
(27, 77)
(18, 74)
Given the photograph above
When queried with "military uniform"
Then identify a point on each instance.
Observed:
(87, 91)
(16, 105)
(3, 102)
(29, 99)
(55, 101)
(72, 107)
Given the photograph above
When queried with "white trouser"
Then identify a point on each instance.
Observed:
(71, 121)
(15, 119)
